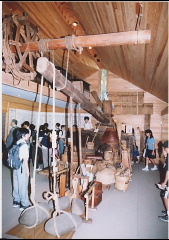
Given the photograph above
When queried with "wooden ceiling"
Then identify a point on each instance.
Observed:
(144, 65)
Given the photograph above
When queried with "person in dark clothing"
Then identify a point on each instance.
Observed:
(32, 144)
(3, 153)
(160, 149)
(45, 143)
(57, 127)
(164, 184)
(11, 139)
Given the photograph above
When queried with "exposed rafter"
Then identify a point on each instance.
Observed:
(70, 18)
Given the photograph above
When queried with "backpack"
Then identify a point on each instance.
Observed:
(13, 160)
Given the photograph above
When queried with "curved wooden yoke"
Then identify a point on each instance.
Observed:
(110, 39)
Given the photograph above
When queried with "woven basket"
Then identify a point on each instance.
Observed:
(122, 182)
(106, 176)
(90, 145)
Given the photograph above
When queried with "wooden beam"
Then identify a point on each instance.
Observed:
(110, 39)
(97, 99)
(45, 68)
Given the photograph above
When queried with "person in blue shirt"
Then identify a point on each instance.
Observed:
(150, 150)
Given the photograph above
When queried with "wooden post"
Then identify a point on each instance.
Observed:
(80, 135)
(44, 67)
(71, 146)
(62, 185)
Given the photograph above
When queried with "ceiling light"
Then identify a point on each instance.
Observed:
(90, 47)
(75, 24)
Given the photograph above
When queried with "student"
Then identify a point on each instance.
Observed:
(11, 139)
(26, 125)
(160, 150)
(44, 139)
(62, 140)
(32, 143)
(87, 124)
(57, 128)
(165, 192)
(21, 176)
(150, 151)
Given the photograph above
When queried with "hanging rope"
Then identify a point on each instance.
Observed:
(37, 138)
(33, 179)
(70, 42)
(71, 146)
(43, 45)
(67, 66)
(80, 133)
(70, 45)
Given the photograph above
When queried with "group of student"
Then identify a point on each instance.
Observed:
(27, 135)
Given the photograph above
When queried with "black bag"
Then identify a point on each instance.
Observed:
(153, 156)
(13, 160)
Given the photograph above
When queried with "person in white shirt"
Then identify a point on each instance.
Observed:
(87, 124)
(21, 176)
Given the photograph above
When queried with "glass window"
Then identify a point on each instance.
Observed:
(103, 87)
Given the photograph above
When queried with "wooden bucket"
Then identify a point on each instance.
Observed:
(122, 182)
(90, 145)
(108, 155)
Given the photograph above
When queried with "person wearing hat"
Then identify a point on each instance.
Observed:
(164, 184)
(150, 150)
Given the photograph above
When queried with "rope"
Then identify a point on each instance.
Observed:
(71, 146)
(32, 195)
(70, 42)
(43, 45)
(37, 137)
(67, 65)
(36, 209)
(55, 225)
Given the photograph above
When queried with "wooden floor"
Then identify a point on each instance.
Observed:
(37, 232)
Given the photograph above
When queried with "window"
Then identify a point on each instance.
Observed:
(103, 84)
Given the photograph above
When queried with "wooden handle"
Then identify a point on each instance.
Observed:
(96, 132)
(86, 141)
